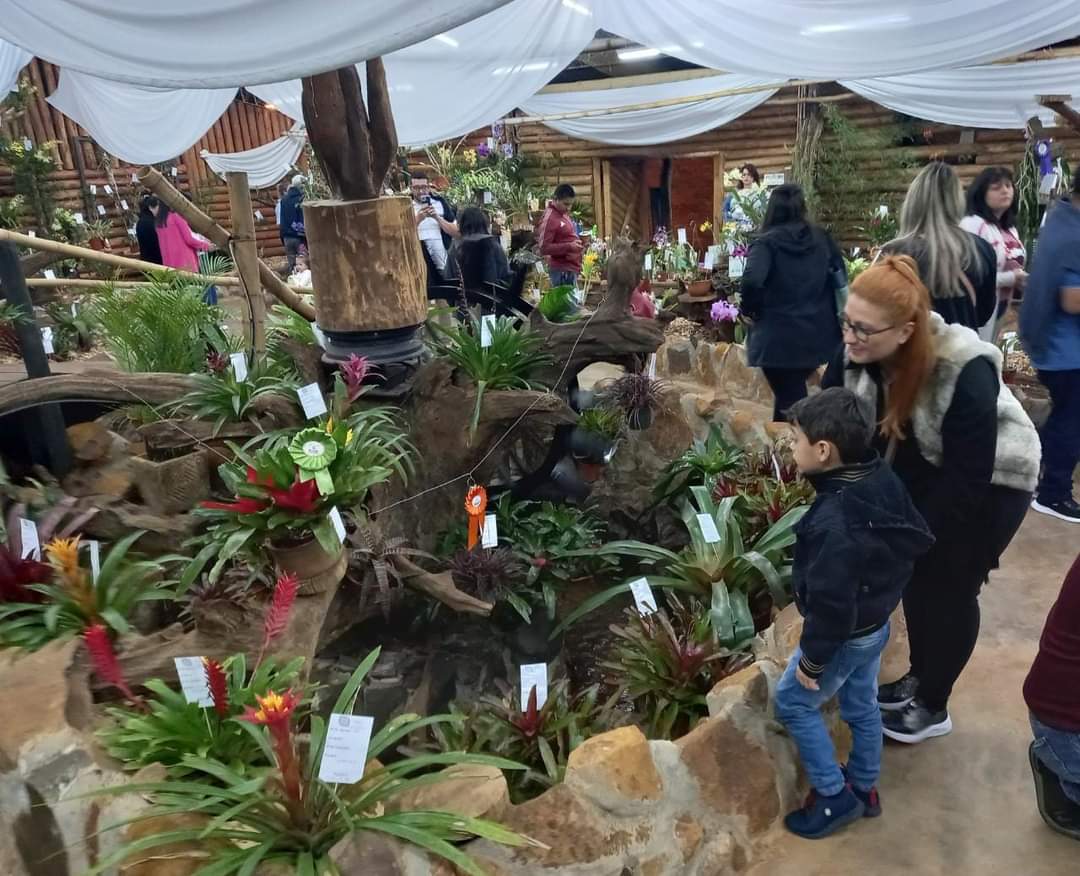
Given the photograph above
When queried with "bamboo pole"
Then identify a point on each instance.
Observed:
(208, 227)
(246, 257)
(80, 283)
(69, 250)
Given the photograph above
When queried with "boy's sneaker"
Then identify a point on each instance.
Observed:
(897, 694)
(870, 799)
(1057, 810)
(822, 816)
(915, 722)
(1067, 509)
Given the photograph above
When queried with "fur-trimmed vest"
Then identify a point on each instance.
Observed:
(1016, 462)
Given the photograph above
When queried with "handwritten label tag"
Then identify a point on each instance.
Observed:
(339, 524)
(710, 258)
(47, 340)
(78, 217)
(648, 261)
(708, 528)
(95, 559)
(174, 171)
(487, 327)
(28, 535)
(320, 337)
(534, 675)
(123, 204)
(311, 400)
(101, 209)
(651, 370)
(345, 749)
(50, 274)
(682, 235)
(491, 144)
(488, 197)
(643, 596)
(736, 266)
(93, 189)
(489, 535)
(108, 190)
(192, 674)
(773, 179)
(239, 366)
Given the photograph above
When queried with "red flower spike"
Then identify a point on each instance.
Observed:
(302, 497)
(529, 722)
(104, 659)
(219, 688)
(275, 713)
(242, 505)
(254, 478)
(277, 615)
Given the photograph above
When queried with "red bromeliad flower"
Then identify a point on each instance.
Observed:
(275, 713)
(301, 497)
(355, 370)
(277, 615)
(16, 574)
(216, 363)
(104, 659)
(219, 688)
(242, 505)
(530, 722)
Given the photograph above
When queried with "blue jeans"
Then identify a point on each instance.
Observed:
(851, 676)
(1059, 751)
(562, 278)
(1060, 435)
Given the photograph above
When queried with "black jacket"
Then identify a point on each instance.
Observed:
(854, 554)
(146, 234)
(292, 212)
(981, 274)
(479, 260)
(788, 290)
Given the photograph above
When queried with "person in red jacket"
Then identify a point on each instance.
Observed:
(1052, 693)
(558, 238)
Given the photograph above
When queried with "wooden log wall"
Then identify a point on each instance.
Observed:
(246, 124)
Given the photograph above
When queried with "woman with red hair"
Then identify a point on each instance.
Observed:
(966, 451)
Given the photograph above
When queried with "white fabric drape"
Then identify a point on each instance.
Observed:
(224, 43)
(137, 124)
(839, 39)
(990, 96)
(265, 164)
(12, 60)
(654, 125)
(468, 77)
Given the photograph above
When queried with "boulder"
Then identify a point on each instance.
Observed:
(748, 687)
(90, 442)
(114, 479)
(724, 366)
(615, 771)
(472, 790)
(676, 356)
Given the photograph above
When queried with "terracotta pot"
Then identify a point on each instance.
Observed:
(699, 288)
(96, 243)
(317, 570)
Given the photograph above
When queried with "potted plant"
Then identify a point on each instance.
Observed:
(594, 436)
(637, 396)
(98, 232)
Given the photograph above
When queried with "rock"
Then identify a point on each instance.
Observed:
(113, 479)
(779, 432)
(473, 790)
(749, 687)
(677, 356)
(734, 772)
(615, 770)
(689, 834)
(368, 852)
(724, 366)
(723, 856)
(173, 859)
(89, 442)
(707, 404)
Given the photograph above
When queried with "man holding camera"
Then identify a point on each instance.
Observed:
(436, 226)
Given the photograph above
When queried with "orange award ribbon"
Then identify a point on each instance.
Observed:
(475, 505)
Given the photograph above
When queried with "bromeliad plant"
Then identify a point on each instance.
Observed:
(286, 815)
(508, 362)
(220, 397)
(727, 572)
(171, 728)
(72, 602)
(704, 463)
(558, 304)
(667, 665)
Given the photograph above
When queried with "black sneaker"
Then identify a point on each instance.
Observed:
(1067, 510)
(897, 694)
(821, 816)
(1057, 810)
(870, 799)
(915, 722)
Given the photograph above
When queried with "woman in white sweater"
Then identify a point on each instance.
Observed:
(991, 214)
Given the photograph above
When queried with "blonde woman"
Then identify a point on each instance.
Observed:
(966, 451)
(957, 267)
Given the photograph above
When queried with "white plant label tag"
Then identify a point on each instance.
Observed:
(320, 337)
(648, 261)
(135, 178)
(78, 217)
(651, 370)
(108, 190)
(93, 189)
(28, 143)
(339, 524)
(489, 535)
(74, 309)
(579, 295)
(132, 232)
(239, 366)
(95, 559)
(47, 340)
(345, 749)
(883, 210)
(682, 236)
(31, 233)
(123, 204)
(258, 215)
(855, 253)
(491, 144)
(487, 326)
(101, 209)
(534, 675)
(488, 197)
(534, 204)
(736, 266)
(50, 274)
(773, 179)
(192, 674)
(311, 400)
(708, 528)
(643, 596)
(174, 171)
(710, 258)
(28, 535)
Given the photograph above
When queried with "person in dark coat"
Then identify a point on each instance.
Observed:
(146, 233)
(291, 221)
(789, 290)
(478, 261)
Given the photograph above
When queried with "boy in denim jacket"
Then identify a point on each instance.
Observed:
(854, 554)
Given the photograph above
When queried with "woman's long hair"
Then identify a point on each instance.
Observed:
(893, 284)
(786, 204)
(755, 174)
(162, 216)
(976, 197)
(930, 230)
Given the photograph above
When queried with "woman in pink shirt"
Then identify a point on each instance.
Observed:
(179, 247)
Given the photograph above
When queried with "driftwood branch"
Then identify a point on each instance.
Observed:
(438, 586)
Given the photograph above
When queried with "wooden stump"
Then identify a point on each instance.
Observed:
(367, 269)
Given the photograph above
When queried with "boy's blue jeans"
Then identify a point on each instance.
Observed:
(852, 676)
(1060, 751)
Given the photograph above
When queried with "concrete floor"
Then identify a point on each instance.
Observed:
(964, 804)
